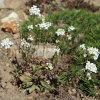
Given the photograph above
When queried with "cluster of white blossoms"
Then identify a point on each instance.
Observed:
(34, 10)
(83, 46)
(42, 18)
(91, 50)
(45, 25)
(24, 43)
(49, 66)
(57, 49)
(94, 51)
(30, 38)
(6, 43)
(60, 32)
(71, 28)
(30, 27)
(69, 37)
(91, 67)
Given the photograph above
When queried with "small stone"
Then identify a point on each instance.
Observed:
(34, 94)
(7, 64)
(74, 90)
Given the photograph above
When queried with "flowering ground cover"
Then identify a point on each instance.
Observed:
(82, 70)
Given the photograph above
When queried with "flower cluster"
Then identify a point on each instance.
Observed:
(94, 51)
(69, 37)
(60, 32)
(91, 67)
(6, 43)
(30, 38)
(45, 25)
(83, 46)
(30, 27)
(71, 28)
(57, 49)
(42, 18)
(91, 50)
(49, 66)
(34, 10)
(24, 43)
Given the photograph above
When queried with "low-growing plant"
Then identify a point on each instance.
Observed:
(81, 66)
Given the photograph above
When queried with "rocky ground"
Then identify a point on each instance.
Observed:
(7, 90)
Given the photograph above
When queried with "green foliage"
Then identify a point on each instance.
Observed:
(85, 23)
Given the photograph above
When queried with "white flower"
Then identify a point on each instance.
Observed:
(45, 25)
(30, 27)
(27, 44)
(60, 32)
(6, 43)
(94, 51)
(49, 66)
(30, 38)
(36, 25)
(88, 74)
(89, 78)
(83, 46)
(57, 41)
(83, 69)
(34, 10)
(91, 66)
(48, 82)
(42, 18)
(84, 55)
(70, 28)
(69, 37)
(23, 41)
(57, 49)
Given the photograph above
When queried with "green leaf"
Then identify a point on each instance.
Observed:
(45, 91)
(29, 84)
(31, 89)
(25, 78)
(37, 88)
(23, 90)
(43, 83)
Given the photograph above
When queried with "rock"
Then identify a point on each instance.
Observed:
(2, 5)
(7, 2)
(13, 53)
(25, 17)
(44, 51)
(10, 27)
(16, 36)
(34, 94)
(12, 17)
(74, 90)
(17, 3)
